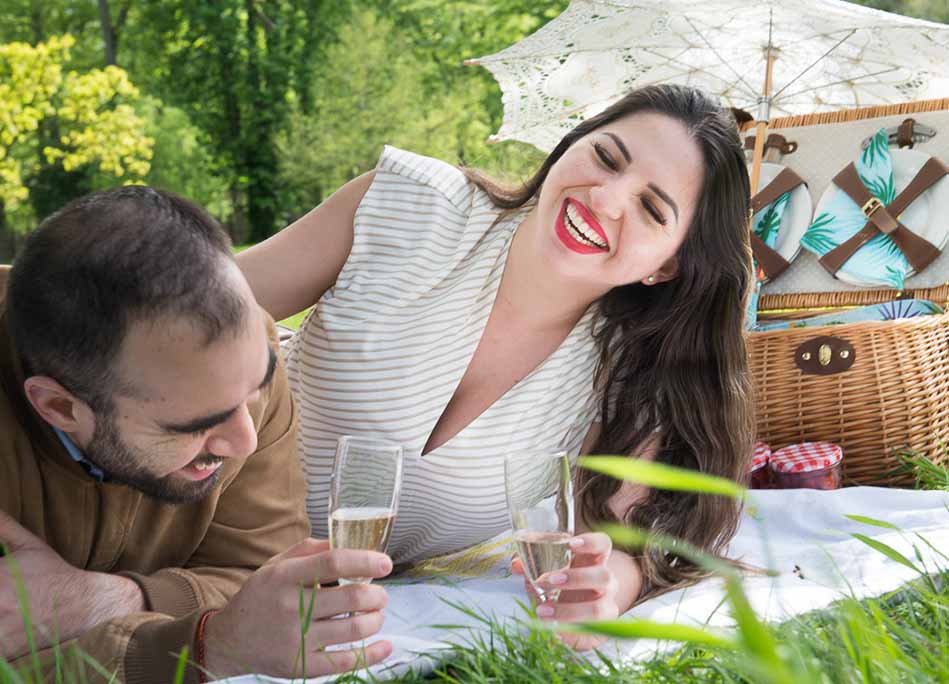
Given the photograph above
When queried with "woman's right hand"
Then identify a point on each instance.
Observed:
(259, 631)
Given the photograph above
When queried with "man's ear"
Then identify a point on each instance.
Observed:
(668, 271)
(58, 406)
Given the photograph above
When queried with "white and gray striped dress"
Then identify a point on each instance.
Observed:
(383, 351)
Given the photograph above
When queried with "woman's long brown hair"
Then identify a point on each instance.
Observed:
(672, 356)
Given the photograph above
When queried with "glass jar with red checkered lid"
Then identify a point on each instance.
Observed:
(760, 474)
(811, 465)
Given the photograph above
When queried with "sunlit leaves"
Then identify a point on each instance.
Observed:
(91, 113)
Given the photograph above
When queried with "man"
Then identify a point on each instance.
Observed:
(151, 497)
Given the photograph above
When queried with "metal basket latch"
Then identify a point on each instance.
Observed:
(824, 356)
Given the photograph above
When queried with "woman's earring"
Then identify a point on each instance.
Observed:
(651, 279)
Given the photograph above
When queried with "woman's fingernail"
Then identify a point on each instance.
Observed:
(557, 579)
(545, 611)
(577, 542)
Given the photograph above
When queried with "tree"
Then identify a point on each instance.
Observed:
(933, 10)
(112, 28)
(35, 21)
(410, 88)
(234, 66)
(54, 122)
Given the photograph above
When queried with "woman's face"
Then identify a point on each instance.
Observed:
(615, 207)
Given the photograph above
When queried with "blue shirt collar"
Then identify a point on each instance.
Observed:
(77, 455)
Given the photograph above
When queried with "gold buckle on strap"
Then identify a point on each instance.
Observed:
(871, 206)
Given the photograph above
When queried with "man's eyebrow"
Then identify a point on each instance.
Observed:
(665, 198)
(208, 422)
(199, 424)
(622, 147)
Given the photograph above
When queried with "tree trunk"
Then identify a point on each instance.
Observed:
(36, 21)
(258, 153)
(238, 226)
(108, 32)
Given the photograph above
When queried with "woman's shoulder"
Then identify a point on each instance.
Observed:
(428, 175)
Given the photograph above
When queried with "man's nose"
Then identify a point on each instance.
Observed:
(236, 437)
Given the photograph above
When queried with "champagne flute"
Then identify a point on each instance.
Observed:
(539, 489)
(364, 495)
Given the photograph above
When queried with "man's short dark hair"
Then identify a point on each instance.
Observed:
(104, 262)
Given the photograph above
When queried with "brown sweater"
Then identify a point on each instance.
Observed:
(186, 558)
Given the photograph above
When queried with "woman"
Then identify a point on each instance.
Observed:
(597, 309)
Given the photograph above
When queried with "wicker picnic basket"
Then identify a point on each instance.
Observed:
(875, 388)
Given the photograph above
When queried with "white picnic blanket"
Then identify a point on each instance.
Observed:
(802, 534)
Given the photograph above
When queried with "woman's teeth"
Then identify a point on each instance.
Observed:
(580, 230)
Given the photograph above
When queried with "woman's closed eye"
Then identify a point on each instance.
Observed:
(652, 211)
(605, 157)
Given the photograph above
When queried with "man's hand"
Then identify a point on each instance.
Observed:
(261, 629)
(63, 601)
(589, 589)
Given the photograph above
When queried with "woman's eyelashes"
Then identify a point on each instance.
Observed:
(605, 157)
(653, 212)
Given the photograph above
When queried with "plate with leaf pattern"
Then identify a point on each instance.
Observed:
(782, 224)
(879, 262)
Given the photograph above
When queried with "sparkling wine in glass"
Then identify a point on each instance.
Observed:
(364, 495)
(539, 490)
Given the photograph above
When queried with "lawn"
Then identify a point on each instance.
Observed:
(902, 636)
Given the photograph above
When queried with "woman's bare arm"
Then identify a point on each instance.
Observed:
(291, 270)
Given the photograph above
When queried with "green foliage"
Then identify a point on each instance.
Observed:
(933, 10)
(182, 160)
(60, 127)
(386, 97)
(234, 67)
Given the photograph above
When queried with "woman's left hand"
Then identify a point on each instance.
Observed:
(588, 589)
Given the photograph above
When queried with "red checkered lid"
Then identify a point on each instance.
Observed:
(806, 457)
(761, 456)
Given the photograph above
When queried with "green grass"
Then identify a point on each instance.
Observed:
(899, 637)
(296, 320)
(902, 636)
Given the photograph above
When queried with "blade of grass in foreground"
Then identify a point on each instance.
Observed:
(632, 537)
(634, 628)
(872, 521)
(182, 664)
(756, 637)
(887, 551)
(662, 476)
(23, 602)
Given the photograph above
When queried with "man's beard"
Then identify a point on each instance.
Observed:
(122, 464)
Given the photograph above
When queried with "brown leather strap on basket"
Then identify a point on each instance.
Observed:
(918, 251)
(904, 134)
(776, 141)
(772, 263)
(784, 182)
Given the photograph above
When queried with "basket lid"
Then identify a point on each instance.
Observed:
(761, 455)
(806, 457)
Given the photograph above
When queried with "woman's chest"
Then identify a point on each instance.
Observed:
(502, 360)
